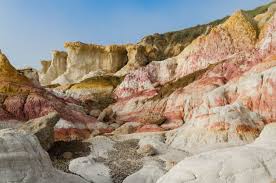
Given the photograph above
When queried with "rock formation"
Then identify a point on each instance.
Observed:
(250, 163)
(45, 66)
(21, 100)
(55, 69)
(202, 87)
(23, 160)
(31, 74)
(197, 105)
(84, 59)
(96, 91)
(137, 57)
(43, 129)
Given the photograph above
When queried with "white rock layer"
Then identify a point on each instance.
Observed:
(24, 161)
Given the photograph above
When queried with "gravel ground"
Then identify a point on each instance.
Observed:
(124, 161)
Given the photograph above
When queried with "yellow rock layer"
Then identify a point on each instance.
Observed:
(97, 82)
(109, 48)
(242, 27)
(8, 73)
(57, 53)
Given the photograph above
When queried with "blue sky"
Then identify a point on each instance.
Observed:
(30, 29)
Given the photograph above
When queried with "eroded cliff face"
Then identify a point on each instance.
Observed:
(121, 58)
(84, 59)
(226, 74)
(156, 47)
(236, 35)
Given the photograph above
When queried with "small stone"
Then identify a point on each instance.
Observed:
(67, 155)
(170, 164)
(146, 150)
(127, 128)
(95, 113)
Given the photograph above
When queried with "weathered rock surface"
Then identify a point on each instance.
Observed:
(244, 164)
(84, 58)
(127, 128)
(146, 150)
(237, 34)
(31, 74)
(217, 76)
(56, 68)
(95, 91)
(91, 170)
(23, 160)
(21, 100)
(43, 129)
(45, 66)
(137, 57)
(150, 173)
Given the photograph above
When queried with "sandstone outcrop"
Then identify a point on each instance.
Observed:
(264, 17)
(236, 35)
(230, 69)
(22, 101)
(95, 91)
(55, 69)
(45, 65)
(156, 47)
(23, 160)
(85, 58)
(137, 57)
(31, 74)
(8, 73)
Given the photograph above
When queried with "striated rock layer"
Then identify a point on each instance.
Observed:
(222, 86)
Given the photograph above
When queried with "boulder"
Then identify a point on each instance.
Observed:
(127, 128)
(91, 170)
(150, 173)
(95, 113)
(23, 160)
(42, 128)
(146, 150)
